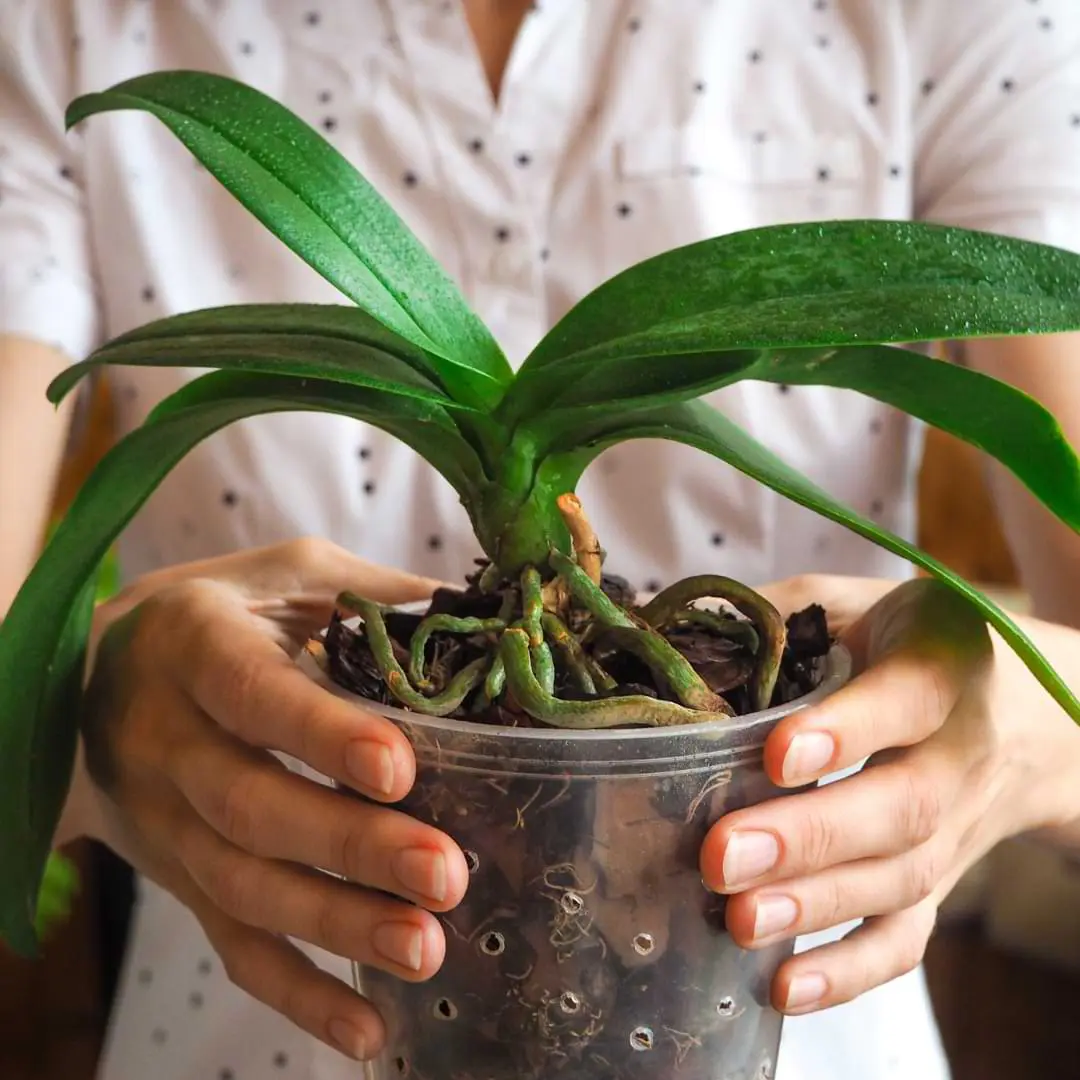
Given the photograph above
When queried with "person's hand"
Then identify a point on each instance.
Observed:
(965, 749)
(193, 686)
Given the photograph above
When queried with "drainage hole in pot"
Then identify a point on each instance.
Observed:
(726, 1007)
(493, 944)
(401, 1066)
(472, 861)
(571, 903)
(642, 1038)
(569, 1002)
(445, 1009)
(644, 944)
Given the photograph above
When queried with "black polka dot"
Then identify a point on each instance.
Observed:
(633, 25)
(66, 173)
(195, 1000)
(364, 453)
(876, 507)
(139, 37)
(1008, 85)
(329, 123)
(652, 585)
(476, 145)
(160, 1036)
(624, 210)
(875, 426)
(872, 98)
(717, 539)
(820, 5)
(927, 86)
(759, 137)
(312, 18)
(502, 234)
(699, 86)
(895, 171)
(434, 543)
(369, 487)
(783, 388)
(148, 294)
(1075, 120)
(410, 179)
(1046, 24)
(823, 174)
(226, 1074)
(77, 42)
(145, 977)
(522, 160)
(545, 254)
(281, 1059)
(755, 56)
(246, 48)
(324, 97)
(236, 273)
(230, 498)
(205, 967)
(822, 41)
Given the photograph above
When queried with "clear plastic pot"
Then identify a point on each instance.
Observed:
(587, 946)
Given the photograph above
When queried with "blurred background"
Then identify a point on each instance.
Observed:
(1003, 966)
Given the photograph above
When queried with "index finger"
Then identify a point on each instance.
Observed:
(238, 675)
(918, 650)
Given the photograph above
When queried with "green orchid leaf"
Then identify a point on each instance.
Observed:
(699, 425)
(1006, 423)
(815, 284)
(43, 638)
(37, 754)
(309, 196)
(322, 341)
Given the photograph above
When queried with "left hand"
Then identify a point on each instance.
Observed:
(965, 748)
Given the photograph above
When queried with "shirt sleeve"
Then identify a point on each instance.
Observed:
(47, 287)
(996, 89)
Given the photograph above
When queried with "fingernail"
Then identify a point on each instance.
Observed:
(773, 914)
(371, 765)
(748, 855)
(805, 990)
(349, 1038)
(807, 756)
(402, 943)
(422, 871)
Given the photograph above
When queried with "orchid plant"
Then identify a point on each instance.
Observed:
(823, 304)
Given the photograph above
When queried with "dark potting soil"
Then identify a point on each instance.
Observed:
(725, 665)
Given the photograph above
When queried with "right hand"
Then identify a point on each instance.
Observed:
(193, 686)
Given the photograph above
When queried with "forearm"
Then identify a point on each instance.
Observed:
(1047, 552)
(33, 435)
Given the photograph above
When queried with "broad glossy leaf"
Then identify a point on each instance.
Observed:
(985, 412)
(313, 199)
(43, 637)
(699, 425)
(323, 341)
(831, 283)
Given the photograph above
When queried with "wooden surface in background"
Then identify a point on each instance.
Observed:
(1002, 1019)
